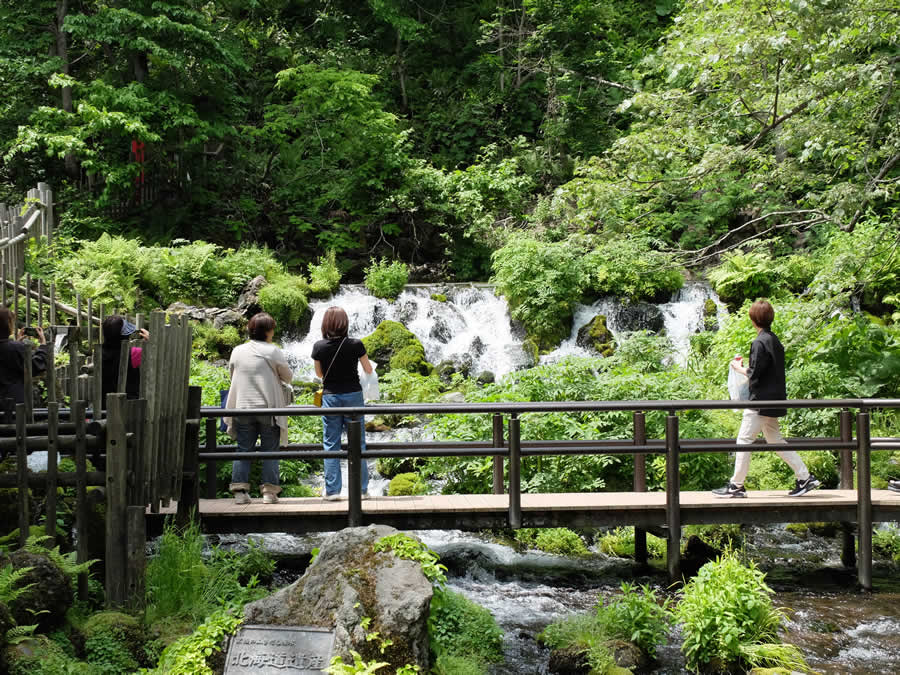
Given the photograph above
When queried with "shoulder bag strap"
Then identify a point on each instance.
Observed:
(332, 361)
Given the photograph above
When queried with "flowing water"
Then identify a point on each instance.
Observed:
(838, 629)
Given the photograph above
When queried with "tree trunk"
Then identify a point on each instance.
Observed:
(62, 51)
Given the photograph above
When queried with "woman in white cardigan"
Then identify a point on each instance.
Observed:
(258, 369)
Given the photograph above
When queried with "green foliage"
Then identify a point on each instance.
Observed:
(324, 277)
(556, 540)
(447, 664)
(620, 542)
(358, 667)
(726, 609)
(586, 633)
(640, 616)
(629, 267)
(66, 562)
(107, 654)
(213, 343)
(404, 546)
(285, 298)
(542, 283)
(188, 655)
(255, 561)
(459, 627)
(386, 279)
(407, 484)
(886, 542)
(743, 276)
(46, 657)
(403, 386)
(10, 583)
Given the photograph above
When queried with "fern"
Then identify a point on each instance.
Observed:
(18, 634)
(64, 561)
(9, 579)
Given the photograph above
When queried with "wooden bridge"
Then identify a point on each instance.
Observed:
(855, 504)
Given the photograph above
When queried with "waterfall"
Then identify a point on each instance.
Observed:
(682, 317)
(472, 327)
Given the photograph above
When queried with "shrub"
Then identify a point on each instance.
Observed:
(285, 298)
(459, 627)
(113, 642)
(629, 267)
(386, 279)
(585, 633)
(620, 543)
(542, 283)
(556, 540)
(214, 343)
(324, 277)
(407, 484)
(639, 616)
(188, 656)
(886, 542)
(728, 618)
(743, 276)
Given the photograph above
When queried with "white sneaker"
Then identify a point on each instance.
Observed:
(270, 498)
(241, 497)
(332, 498)
(364, 496)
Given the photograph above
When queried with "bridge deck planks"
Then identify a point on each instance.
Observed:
(470, 512)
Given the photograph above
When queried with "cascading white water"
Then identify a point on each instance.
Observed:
(472, 327)
(682, 317)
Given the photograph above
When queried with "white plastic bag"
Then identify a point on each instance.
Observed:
(369, 382)
(738, 384)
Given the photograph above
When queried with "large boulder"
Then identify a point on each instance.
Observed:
(49, 596)
(641, 316)
(347, 582)
(190, 311)
(595, 335)
(393, 346)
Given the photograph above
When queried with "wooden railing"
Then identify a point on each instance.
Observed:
(510, 448)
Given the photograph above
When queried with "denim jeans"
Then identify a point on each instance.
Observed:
(332, 426)
(248, 430)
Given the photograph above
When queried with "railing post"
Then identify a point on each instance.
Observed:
(639, 424)
(498, 461)
(22, 473)
(81, 506)
(848, 547)
(515, 473)
(189, 499)
(116, 501)
(354, 472)
(673, 499)
(864, 500)
(212, 477)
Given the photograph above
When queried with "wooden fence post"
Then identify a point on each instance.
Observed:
(639, 426)
(81, 507)
(135, 554)
(497, 422)
(52, 468)
(515, 472)
(116, 500)
(848, 547)
(189, 499)
(22, 473)
(673, 499)
(354, 472)
(864, 499)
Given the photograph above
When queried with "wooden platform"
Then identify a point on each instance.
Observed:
(475, 512)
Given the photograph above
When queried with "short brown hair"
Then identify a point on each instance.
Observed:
(762, 314)
(335, 323)
(7, 322)
(259, 326)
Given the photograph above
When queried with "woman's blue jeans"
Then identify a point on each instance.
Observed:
(332, 426)
(248, 430)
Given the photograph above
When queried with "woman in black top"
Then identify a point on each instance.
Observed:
(335, 357)
(12, 358)
(767, 383)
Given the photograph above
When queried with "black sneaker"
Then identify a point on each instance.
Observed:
(894, 485)
(730, 491)
(803, 486)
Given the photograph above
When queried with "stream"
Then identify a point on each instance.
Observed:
(838, 629)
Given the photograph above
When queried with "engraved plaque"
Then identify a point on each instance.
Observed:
(279, 650)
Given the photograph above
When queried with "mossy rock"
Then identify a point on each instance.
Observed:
(597, 336)
(393, 346)
(114, 635)
(39, 655)
(407, 484)
(710, 315)
(439, 297)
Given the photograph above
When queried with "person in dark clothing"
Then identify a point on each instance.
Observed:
(116, 330)
(335, 357)
(12, 358)
(767, 383)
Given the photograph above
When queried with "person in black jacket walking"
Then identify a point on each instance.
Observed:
(767, 383)
(12, 358)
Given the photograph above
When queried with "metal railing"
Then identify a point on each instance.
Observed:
(512, 448)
